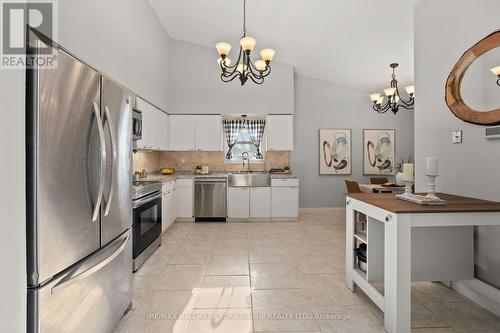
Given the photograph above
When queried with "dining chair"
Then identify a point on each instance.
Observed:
(352, 186)
(379, 180)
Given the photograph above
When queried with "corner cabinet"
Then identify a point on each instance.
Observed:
(280, 132)
(154, 127)
(195, 132)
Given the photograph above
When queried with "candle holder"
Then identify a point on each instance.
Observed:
(431, 187)
(408, 189)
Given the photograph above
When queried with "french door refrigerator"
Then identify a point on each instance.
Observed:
(79, 205)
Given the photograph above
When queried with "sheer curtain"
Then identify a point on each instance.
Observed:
(232, 129)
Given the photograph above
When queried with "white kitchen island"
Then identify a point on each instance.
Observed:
(407, 242)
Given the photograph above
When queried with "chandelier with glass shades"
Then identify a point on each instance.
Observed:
(496, 72)
(394, 101)
(244, 68)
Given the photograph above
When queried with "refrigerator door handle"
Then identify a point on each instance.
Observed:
(74, 279)
(95, 213)
(113, 160)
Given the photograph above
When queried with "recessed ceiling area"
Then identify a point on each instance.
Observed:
(350, 43)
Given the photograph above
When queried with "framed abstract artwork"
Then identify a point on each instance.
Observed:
(378, 151)
(335, 152)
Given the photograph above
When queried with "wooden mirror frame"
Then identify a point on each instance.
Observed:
(453, 94)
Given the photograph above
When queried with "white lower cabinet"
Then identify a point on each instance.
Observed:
(168, 205)
(260, 202)
(285, 202)
(238, 202)
(184, 198)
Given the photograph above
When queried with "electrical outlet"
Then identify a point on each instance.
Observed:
(456, 137)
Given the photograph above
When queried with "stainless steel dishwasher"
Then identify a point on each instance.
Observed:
(210, 198)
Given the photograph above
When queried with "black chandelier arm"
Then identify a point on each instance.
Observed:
(409, 107)
(256, 80)
(228, 78)
(237, 61)
(228, 74)
(410, 102)
(381, 108)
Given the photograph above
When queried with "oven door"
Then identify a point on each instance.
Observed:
(147, 225)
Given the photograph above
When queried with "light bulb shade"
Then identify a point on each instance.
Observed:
(226, 63)
(267, 54)
(380, 100)
(223, 48)
(260, 65)
(389, 91)
(375, 97)
(410, 90)
(240, 68)
(496, 71)
(247, 43)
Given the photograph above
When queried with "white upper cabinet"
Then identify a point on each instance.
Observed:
(195, 132)
(154, 127)
(182, 132)
(208, 133)
(279, 132)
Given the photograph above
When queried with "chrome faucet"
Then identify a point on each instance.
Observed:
(244, 156)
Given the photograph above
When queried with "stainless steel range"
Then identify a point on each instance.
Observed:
(146, 203)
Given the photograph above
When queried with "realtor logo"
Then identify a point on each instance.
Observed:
(17, 17)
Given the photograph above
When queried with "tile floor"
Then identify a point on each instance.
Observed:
(274, 277)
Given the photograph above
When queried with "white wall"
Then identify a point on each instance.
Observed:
(122, 38)
(444, 30)
(319, 104)
(195, 85)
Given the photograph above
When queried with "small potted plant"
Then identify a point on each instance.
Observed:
(198, 169)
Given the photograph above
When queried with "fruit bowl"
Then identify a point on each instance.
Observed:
(167, 171)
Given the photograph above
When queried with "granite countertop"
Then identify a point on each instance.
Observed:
(158, 176)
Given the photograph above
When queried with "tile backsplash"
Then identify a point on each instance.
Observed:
(155, 160)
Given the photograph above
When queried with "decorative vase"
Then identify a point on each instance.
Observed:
(399, 178)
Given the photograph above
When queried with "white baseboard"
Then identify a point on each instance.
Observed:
(480, 293)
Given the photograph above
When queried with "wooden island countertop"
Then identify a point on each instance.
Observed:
(456, 204)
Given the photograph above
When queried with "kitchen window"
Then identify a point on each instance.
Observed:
(244, 135)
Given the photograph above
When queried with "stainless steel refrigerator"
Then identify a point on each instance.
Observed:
(79, 205)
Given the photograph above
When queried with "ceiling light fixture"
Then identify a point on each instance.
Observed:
(244, 68)
(496, 71)
(394, 100)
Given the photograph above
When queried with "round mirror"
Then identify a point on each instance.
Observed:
(479, 86)
(473, 87)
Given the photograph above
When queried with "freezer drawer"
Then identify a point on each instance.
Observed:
(92, 296)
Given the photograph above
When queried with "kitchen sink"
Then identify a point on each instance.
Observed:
(249, 179)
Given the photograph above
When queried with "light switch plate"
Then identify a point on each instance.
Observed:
(456, 137)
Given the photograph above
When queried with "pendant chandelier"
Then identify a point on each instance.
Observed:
(244, 68)
(394, 101)
(496, 72)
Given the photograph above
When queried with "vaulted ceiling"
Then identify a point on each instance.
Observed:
(347, 42)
